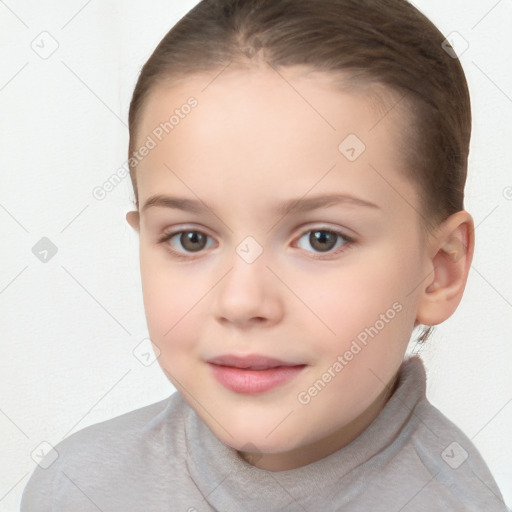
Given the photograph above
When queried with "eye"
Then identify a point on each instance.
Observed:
(324, 241)
(190, 240)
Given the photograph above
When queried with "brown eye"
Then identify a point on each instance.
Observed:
(192, 241)
(323, 240)
(185, 243)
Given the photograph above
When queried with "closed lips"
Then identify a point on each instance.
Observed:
(252, 362)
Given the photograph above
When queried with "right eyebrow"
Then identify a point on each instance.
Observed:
(178, 203)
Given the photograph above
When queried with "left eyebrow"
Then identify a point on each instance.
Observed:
(320, 201)
(295, 205)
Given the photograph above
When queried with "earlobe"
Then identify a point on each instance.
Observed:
(452, 253)
(133, 219)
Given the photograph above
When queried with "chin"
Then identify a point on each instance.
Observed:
(256, 438)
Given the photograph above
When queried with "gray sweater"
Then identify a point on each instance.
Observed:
(164, 458)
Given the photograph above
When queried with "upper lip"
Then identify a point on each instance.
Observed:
(254, 361)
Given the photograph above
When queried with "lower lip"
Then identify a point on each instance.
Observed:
(252, 382)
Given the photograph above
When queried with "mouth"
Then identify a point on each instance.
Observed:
(251, 362)
(253, 374)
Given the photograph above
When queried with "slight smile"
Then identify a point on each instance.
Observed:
(252, 374)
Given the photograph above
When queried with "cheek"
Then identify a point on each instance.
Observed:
(368, 308)
(371, 294)
(170, 296)
(172, 302)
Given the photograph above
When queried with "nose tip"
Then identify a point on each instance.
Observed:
(246, 295)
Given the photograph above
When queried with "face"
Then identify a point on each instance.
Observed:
(281, 316)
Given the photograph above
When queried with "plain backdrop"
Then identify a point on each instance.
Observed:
(71, 326)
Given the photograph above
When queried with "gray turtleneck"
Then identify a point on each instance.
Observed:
(164, 458)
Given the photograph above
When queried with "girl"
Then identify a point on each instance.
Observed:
(298, 169)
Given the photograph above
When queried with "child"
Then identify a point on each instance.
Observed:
(259, 131)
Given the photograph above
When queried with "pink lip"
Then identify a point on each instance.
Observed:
(252, 374)
(253, 361)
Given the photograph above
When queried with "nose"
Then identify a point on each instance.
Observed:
(248, 295)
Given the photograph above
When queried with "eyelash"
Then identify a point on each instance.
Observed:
(349, 241)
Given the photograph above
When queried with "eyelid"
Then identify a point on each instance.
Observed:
(180, 228)
(326, 226)
(303, 229)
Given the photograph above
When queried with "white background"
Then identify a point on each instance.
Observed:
(69, 326)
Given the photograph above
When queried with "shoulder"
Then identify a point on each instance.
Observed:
(110, 454)
(124, 431)
(454, 470)
(425, 462)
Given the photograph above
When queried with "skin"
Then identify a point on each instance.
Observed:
(252, 142)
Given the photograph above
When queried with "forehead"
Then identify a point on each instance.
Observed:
(287, 94)
(263, 128)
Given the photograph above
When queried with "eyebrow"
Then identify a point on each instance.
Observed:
(295, 205)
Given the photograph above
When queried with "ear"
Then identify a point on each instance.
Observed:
(134, 220)
(449, 261)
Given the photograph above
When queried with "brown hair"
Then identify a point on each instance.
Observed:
(371, 42)
(374, 42)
